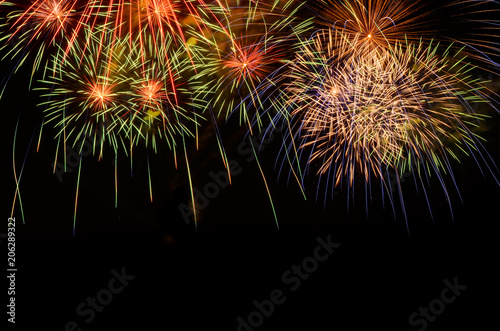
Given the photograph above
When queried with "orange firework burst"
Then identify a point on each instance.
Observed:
(470, 24)
(150, 17)
(54, 16)
(249, 61)
(158, 11)
(237, 63)
(374, 23)
(152, 94)
(355, 114)
(41, 24)
(100, 95)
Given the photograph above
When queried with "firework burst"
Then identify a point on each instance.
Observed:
(39, 27)
(83, 95)
(354, 114)
(125, 93)
(471, 25)
(236, 70)
(159, 103)
(375, 23)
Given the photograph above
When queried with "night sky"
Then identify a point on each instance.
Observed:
(382, 271)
